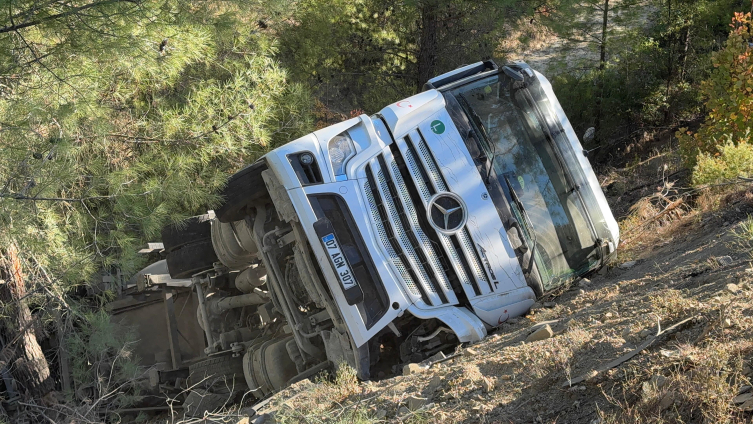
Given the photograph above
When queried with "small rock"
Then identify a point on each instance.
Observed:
(549, 304)
(506, 377)
(742, 398)
(542, 333)
(301, 385)
(654, 383)
(470, 352)
(733, 288)
(436, 357)
(727, 322)
(380, 414)
(667, 400)
(403, 411)
(608, 315)
(747, 370)
(645, 333)
(627, 265)
(434, 384)
(263, 419)
(584, 282)
(724, 261)
(415, 403)
(487, 384)
(581, 292)
(412, 369)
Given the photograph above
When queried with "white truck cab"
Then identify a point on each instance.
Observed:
(384, 239)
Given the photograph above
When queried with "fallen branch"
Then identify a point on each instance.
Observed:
(626, 357)
(661, 180)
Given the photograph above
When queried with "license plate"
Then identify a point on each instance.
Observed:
(342, 269)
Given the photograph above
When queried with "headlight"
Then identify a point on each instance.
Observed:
(341, 149)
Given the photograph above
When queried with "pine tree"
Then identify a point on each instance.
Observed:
(133, 116)
(117, 117)
(365, 54)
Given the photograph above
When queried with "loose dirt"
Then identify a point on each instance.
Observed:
(692, 268)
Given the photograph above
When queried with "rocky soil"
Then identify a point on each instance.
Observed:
(664, 334)
(661, 335)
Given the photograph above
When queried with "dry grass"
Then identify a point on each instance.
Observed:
(326, 401)
(696, 385)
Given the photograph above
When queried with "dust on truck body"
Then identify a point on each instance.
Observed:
(384, 239)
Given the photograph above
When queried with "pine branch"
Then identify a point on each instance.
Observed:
(15, 27)
(17, 196)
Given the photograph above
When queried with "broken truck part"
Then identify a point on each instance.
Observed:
(386, 239)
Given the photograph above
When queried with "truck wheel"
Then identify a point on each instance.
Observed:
(221, 374)
(241, 189)
(196, 228)
(191, 258)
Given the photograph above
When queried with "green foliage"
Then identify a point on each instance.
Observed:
(628, 82)
(729, 97)
(103, 365)
(133, 118)
(742, 236)
(732, 160)
(365, 54)
(653, 73)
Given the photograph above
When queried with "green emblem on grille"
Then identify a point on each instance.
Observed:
(437, 127)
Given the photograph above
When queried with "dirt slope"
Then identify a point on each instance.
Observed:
(694, 270)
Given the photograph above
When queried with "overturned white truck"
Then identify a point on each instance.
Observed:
(384, 239)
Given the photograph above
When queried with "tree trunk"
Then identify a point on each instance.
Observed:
(670, 60)
(685, 54)
(22, 352)
(602, 67)
(427, 47)
(603, 46)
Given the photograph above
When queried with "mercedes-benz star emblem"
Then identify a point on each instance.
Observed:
(447, 213)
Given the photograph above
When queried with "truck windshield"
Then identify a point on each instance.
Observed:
(535, 175)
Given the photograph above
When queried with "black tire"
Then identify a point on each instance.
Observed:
(196, 228)
(220, 374)
(191, 258)
(242, 188)
(535, 282)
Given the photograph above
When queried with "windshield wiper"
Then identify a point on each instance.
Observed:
(479, 124)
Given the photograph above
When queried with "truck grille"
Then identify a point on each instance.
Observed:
(434, 266)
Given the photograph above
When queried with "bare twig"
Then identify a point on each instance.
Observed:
(627, 356)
